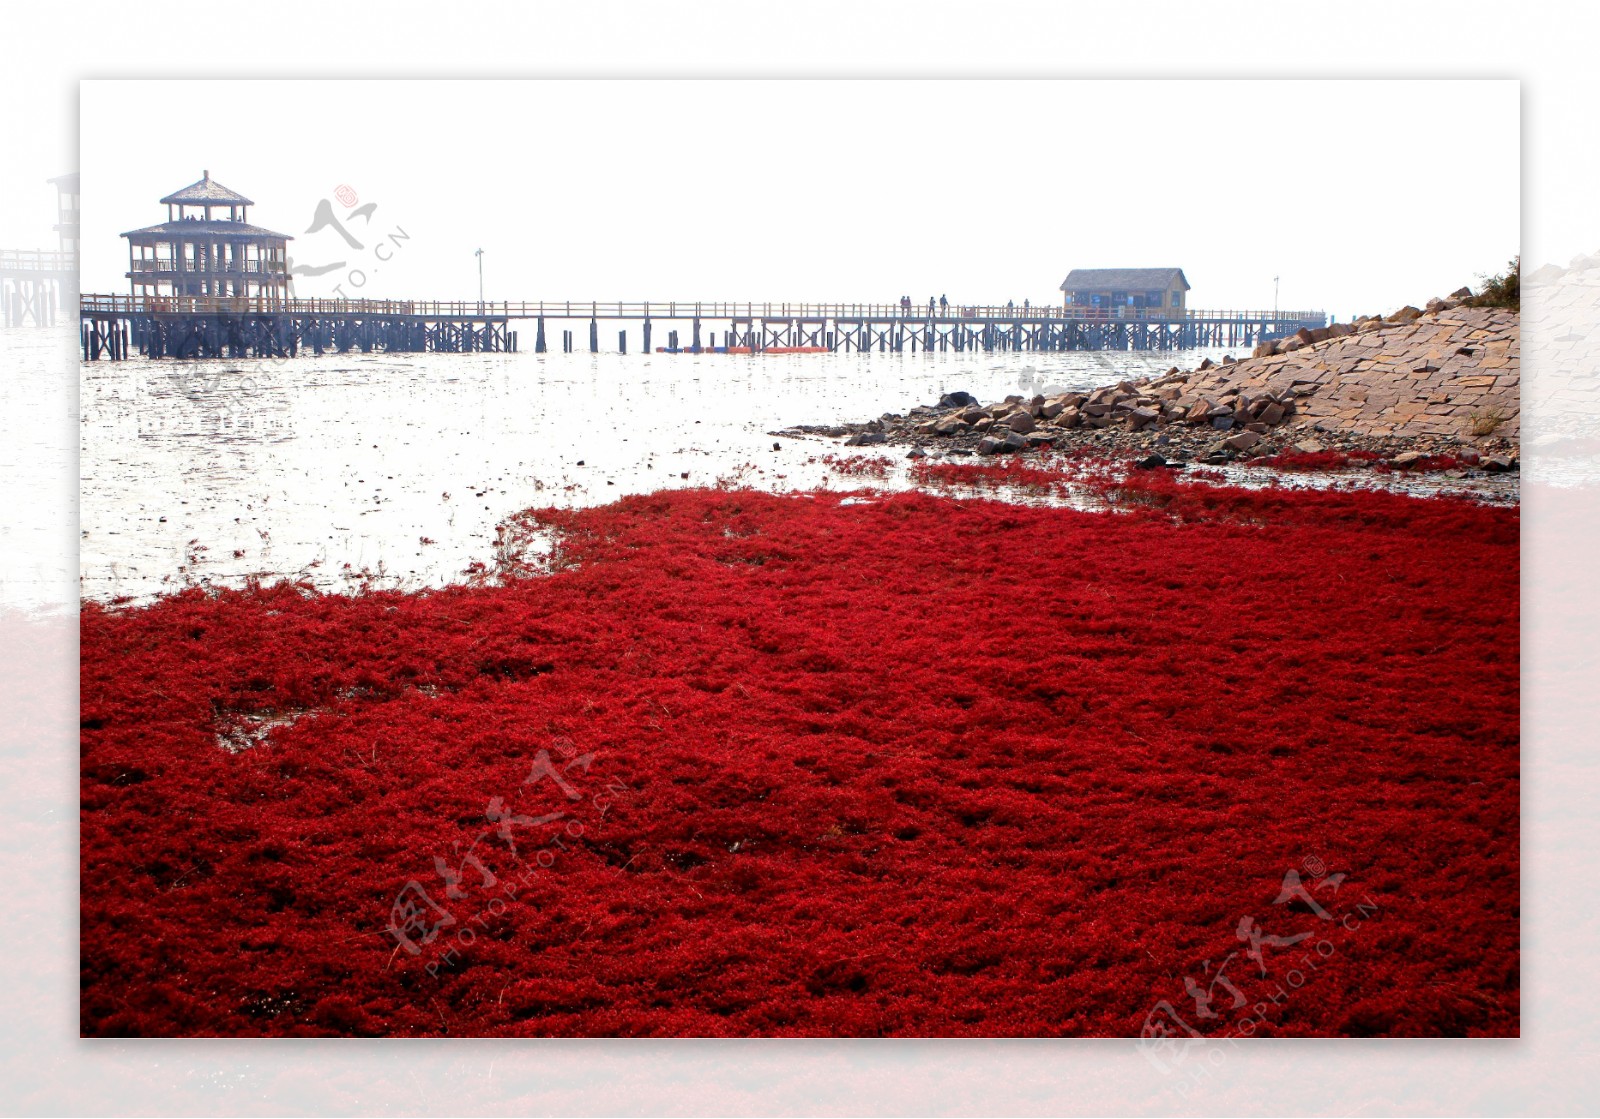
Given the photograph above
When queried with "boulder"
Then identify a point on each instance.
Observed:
(1050, 409)
(1151, 462)
(866, 439)
(1309, 447)
(1407, 313)
(1241, 441)
(1271, 414)
(1069, 417)
(989, 445)
(1289, 345)
(1264, 349)
(1020, 422)
(1406, 458)
(973, 415)
(1142, 417)
(1461, 293)
(1497, 464)
(950, 425)
(1369, 326)
(1222, 423)
(957, 400)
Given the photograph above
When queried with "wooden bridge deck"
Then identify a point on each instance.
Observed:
(244, 326)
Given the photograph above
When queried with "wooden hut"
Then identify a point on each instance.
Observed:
(198, 251)
(1126, 292)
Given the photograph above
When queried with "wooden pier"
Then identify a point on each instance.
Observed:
(33, 285)
(115, 326)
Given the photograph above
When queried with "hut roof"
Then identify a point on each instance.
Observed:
(221, 228)
(1125, 279)
(206, 193)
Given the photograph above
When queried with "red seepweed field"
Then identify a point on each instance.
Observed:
(1222, 762)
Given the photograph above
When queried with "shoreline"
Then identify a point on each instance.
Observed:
(1403, 392)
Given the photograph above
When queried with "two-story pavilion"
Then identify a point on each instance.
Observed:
(197, 251)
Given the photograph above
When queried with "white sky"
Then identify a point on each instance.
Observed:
(1361, 195)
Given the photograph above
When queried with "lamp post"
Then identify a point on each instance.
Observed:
(1274, 295)
(479, 255)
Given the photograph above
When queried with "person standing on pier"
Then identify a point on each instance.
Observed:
(930, 304)
(943, 304)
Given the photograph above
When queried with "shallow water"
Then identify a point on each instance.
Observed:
(401, 466)
(394, 470)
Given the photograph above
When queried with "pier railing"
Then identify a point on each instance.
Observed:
(672, 309)
(37, 260)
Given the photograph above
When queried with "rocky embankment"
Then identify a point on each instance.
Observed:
(1440, 380)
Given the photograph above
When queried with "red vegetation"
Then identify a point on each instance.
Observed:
(859, 466)
(1431, 464)
(913, 766)
(1042, 474)
(1315, 461)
